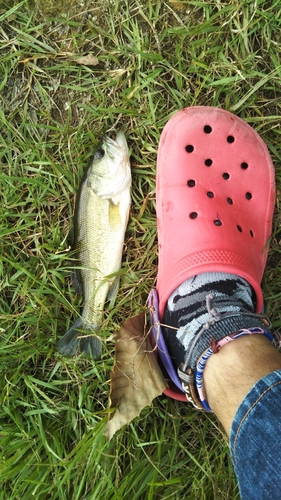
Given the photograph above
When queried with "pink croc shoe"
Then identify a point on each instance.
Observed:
(215, 194)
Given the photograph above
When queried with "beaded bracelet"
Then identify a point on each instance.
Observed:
(201, 364)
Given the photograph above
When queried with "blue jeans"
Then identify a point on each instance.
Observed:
(255, 440)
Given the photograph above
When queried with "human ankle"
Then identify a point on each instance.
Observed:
(231, 373)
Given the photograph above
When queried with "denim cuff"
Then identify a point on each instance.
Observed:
(255, 440)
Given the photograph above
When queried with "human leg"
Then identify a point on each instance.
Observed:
(201, 179)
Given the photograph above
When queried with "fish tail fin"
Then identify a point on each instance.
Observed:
(78, 338)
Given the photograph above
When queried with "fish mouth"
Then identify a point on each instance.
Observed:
(117, 146)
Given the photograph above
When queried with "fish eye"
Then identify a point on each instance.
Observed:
(99, 154)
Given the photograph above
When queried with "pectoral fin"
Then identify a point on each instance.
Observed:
(76, 282)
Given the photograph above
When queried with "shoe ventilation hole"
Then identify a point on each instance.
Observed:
(208, 162)
(193, 215)
(207, 129)
(239, 228)
(218, 222)
(251, 233)
(248, 196)
(210, 194)
(189, 148)
(230, 139)
(191, 183)
(226, 176)
(244, 165)
(229, 200)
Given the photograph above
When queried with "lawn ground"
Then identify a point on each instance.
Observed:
(153, 58)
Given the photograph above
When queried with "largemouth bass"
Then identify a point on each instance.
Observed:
(101, 217)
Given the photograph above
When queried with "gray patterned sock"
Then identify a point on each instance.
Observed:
(186, 312)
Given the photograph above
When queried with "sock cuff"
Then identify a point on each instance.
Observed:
(223, 328)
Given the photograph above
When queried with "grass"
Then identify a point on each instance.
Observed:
(154, 58)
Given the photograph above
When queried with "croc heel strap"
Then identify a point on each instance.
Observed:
(175, 389)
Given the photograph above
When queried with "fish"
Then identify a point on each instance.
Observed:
(100, 221)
